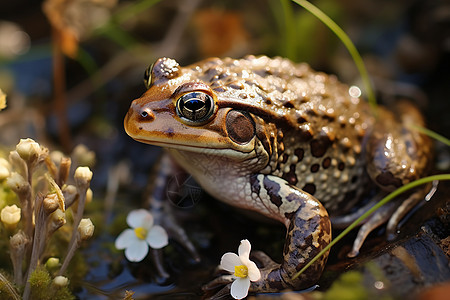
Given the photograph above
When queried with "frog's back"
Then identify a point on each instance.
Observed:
(320, 127)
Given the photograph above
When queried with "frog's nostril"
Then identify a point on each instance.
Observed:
(146, 114)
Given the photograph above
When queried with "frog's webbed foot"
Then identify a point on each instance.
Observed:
(162, 213)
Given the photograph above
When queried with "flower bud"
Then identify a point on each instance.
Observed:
(83, 156)
(83, 175)
(28, 150)
(51, 203)
(57, 220)
(56, 157)
(2, 100)
(17, 163)
(4, 172)
(89, 195)
(52, 263)
(5, 163)
(60, 281)
(70, 194)
(10, 216)
(18, 184)
(4, 168)
(86, 229)
(18, 242)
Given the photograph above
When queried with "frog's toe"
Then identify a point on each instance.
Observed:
(406, 206)
(218, 288)
(400, 212)
(263, 259)
(156, 255)
(373, 221)
(177, 233)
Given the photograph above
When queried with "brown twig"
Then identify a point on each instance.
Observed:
(59, 89)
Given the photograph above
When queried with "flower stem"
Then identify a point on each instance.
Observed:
(39, 228)
(72, 248)
(75, 239)
(9, 288)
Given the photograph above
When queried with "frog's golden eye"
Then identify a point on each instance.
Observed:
(195, 107)
(148, 76)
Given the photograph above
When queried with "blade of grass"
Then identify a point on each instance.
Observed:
(132, 10)
(289, 29)
(432, 134)
(348, 44)
(385, 200)
(112, 29)
(118, 35)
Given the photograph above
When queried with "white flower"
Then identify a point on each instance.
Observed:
(135, 241)
(242, 268)
(4, 167)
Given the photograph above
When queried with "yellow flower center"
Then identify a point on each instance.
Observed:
(241, 271)
(140, 232)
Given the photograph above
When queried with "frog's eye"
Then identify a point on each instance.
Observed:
(148, 76)
(195, 107)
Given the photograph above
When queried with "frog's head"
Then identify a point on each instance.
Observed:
(180, 111)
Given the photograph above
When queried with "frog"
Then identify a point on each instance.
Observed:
(285, 141)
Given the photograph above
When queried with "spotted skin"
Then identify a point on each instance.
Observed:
(283, 140)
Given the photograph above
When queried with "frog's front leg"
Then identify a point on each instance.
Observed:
(161, 208)
(308, 232)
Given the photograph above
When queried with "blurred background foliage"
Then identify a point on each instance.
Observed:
(70, 68)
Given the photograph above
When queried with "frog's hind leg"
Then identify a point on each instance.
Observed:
(396, 155)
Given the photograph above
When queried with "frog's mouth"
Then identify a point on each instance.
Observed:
(197, 149)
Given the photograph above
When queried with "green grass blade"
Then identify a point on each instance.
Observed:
(385, 200)
(348, 44)
(289, 28)
(432, 134)
(133, 9)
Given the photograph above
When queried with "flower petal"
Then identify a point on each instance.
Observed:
(229, 260)
(136, 251)
(239, 288)
(125, 238)
(244, 249)
(140, 218)
(253, 272)
(157, 237)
